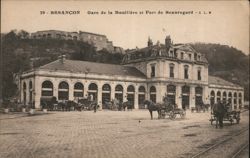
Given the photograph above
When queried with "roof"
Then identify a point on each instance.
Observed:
(160, 50)
(219, 81)
(93, 67)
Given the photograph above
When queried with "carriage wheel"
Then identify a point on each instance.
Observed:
(172, 115)
(183, 114)
(231, 121)
(211, 120)
(238, 120)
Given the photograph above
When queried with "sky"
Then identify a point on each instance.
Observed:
(227, 23)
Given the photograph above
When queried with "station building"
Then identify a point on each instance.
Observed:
(173, 70)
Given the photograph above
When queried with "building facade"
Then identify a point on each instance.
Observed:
(176, 71)
(97, 40)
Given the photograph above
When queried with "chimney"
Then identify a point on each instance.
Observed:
(158, 43)
(150, 42)
(62, 59)
(168, 42)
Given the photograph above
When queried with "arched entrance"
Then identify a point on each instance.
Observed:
(106, 94)
(153, 94)
(218, 96)
(240, 100)
(212, 98)
(47, 88)
(171, 91)
(119, 93)
(229, 98)
(224, 99)
(78, 90)
(185, 97)
(131, 94)
(141, 97)
(198, 96)
(63, 91)
(93, 89)
(235, 100)
(30, 92)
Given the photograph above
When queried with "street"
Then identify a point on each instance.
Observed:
(109, 134)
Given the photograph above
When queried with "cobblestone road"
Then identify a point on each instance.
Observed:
(106, 134)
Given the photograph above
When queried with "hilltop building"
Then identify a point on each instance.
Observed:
(158, 70)
(97, 40)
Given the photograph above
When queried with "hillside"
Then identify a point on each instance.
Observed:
(227, 62)
(17, 52)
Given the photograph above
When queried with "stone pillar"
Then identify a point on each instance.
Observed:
(112, 93)
(99, 95)
(136, 103)
(85, 88)
(178, 97)
(71, 90)
(242, 99)
(37, 92)
(205, 95)
(192, 96)
(21, 92)
(55, 89)
(237, 100)
(215, 96)
(124, 91)
(27, 93)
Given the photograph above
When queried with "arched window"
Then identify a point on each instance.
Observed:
(142, 89)
(235, 100)
(93, 89)
(24, 93)
(240, 100)
(119, 93)
(182, 55)
(185, 71)
(218, 96)
(199, 74)
(230, 97)
(171, 90)
(47, 88)
(78, 89)
(185, 96)
(224, 99)
(198, 96)
(212, 98)
(106, 94)
(63, 91)
(153, 94)
(93, 86)
(131, 88)
(131, 94)
(141, 97)
(171, 70)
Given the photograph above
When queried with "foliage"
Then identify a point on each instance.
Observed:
(18, 51)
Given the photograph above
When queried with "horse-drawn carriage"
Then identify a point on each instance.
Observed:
(52, 104)
(224, 113)
(200, 108)
(172, 111)
(164, 109)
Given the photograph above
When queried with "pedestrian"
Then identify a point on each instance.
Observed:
(220, 113)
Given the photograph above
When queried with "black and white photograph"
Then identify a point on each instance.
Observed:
(124, 79)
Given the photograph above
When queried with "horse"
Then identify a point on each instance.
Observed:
(219, 111)
(64, 106)
(153, 107)
(75, 105)
(127, 105)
